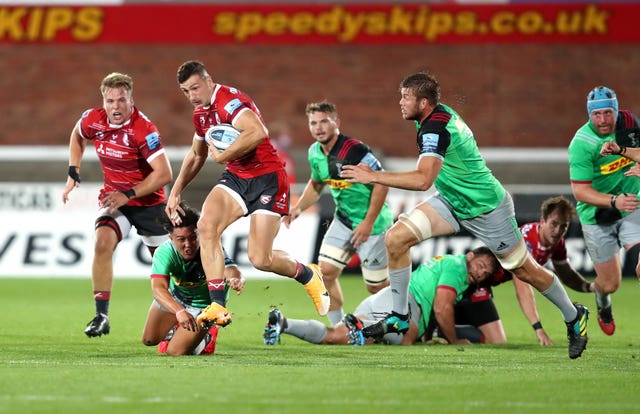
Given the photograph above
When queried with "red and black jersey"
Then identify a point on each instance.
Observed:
(125, 151)
(226, 105)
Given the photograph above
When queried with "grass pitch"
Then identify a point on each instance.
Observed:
(48, 365)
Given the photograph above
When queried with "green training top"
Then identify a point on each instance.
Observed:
(187, 280)
(464, 180)
(606, 174)
(449, 270)
(351, 199)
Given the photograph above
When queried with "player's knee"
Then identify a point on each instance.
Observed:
(207, 230)
(608, 285)
(104, 246)
(330, 273)
(261, 260)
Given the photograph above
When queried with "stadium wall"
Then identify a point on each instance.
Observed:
(519, 85)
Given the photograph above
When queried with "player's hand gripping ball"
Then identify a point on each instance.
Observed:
(221, 136)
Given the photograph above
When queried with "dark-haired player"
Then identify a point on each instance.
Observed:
(135, 169)
(435, 287)
(253, 184)
(361, 215)
(468, 195)
(180, 291)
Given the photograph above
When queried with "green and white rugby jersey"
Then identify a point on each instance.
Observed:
(606, 174)
(464, 180)
(351, 199)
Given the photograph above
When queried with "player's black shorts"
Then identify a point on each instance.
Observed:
(476, 308)
(265, 192)
(143, 218)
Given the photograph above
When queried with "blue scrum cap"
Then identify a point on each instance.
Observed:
(601, 97)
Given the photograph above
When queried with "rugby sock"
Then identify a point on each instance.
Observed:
(311, 331)
(399, 281)
(102, 298)
(335, 316)
(603, 300)
(216, 291)
(558, 296)
(303, 273)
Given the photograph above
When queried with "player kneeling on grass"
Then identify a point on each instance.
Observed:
(434, 289)
(180, 291)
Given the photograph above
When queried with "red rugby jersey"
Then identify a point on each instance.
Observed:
(125, 151)
(226, 104)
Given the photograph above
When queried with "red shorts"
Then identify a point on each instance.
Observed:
(265, 192)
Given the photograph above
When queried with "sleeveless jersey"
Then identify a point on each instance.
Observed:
(125, 151)
(187, 280)
(464, 180)
(351, 199)
(226, 104)
(606, 174)
(449, 271)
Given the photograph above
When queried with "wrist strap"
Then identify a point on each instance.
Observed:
(536, 326)
(613, 201)
(180, 311)
(73, 173)
(130, 193)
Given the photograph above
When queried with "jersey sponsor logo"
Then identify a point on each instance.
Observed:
(282, 201)
(429, 142)
(372, 162)
(265, 199)
(614, 166)
(338, 184)
(153, 140)
(232, 106)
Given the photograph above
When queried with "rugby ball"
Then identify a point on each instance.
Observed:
(221, 136)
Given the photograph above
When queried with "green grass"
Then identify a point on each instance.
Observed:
(48, 365)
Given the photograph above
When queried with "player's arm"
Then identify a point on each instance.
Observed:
(420, 179)
(443, 309)
(583, 192)
(160, 290)
(611, 147)
(252, 133)
(310, 196)
(527, 301)
(411, 336)
(160, 176)
(191, 166)
(571, 277)
(76, 149)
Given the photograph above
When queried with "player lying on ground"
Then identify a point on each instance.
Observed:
(435, 286)
(180, 291)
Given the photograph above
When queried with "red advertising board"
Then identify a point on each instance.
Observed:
(320, 24)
